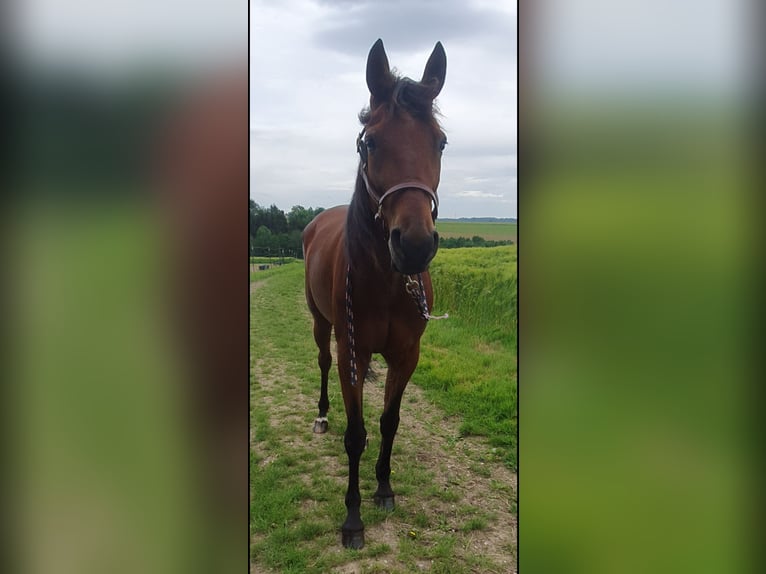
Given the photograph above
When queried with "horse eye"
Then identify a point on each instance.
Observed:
(370, 143)
(442, 144)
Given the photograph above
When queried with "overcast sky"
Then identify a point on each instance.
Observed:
(307, 63)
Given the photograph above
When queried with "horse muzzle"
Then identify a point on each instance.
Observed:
(412, 252)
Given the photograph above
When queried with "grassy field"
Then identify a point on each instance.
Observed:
(257, 260)
(490, 231)
(76, 441)
(468, 362)
(453, 456)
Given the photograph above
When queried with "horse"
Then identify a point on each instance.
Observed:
(367, 263)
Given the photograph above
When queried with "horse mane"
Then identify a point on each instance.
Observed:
(362, 231)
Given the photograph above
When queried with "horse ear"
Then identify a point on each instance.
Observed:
(380, 81)
(436, 70)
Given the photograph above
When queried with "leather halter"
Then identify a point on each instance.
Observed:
(362, 149)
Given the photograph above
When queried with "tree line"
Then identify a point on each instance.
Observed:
(475, 241)
(274, 232)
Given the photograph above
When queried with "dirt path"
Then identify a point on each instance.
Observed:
(463, 479)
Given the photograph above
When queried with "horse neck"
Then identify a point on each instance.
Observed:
(366, 246)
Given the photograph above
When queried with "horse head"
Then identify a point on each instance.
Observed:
(401, 147)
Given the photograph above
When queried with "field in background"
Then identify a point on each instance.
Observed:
(264, 260)
(260, 264)
(489, 231)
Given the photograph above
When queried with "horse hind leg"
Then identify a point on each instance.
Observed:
(322, 331)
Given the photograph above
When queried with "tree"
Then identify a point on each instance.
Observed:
(263, 237)
(272, 229)
(294, 241)
(257, 217)
(276, 220)
(298, 218)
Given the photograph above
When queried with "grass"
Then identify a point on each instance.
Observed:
(478, 287)
(282, 542)
(90, 353)
(468, 362)
(487, 230)
(298, 480)
(266, 273)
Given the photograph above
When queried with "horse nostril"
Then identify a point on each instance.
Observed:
(436, 240)
(396, 238)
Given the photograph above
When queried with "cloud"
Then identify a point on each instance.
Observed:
(308, 84)
(413, 26)
(123, 35)
(477, 194)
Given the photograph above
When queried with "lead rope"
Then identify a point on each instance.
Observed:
(350, 325)
(416, 290)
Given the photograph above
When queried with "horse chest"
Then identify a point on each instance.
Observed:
(390, 326)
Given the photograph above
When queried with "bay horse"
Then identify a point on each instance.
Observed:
(366, 263)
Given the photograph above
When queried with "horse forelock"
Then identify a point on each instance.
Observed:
(416, 98)
(413, 97)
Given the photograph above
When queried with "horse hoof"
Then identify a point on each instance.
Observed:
(320, 425)
(385, 502)
(353, 539)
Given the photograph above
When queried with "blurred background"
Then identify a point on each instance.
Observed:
(125, 308)
(125, 302)
(637, 286)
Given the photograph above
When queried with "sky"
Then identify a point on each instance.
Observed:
(115, 37)
(645, 46)
(307, 85)
(308, 57)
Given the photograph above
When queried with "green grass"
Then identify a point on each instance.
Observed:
(266, 273)
(99, 421)
(285, 539)
(468, 362)
(477, 287)
(297, 503)
(490, 231)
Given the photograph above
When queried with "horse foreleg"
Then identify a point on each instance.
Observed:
(396, 381)
(355, 440)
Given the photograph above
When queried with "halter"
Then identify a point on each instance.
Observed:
(362, 149)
